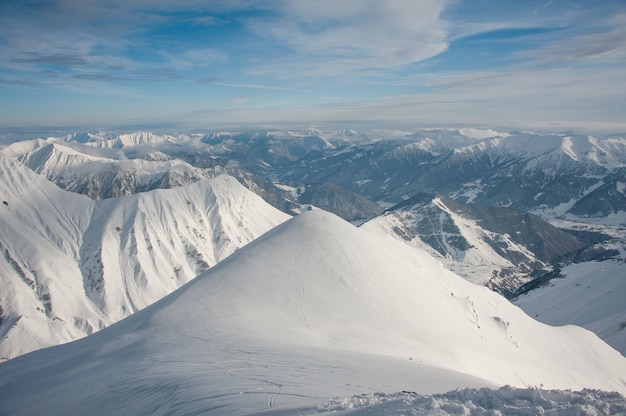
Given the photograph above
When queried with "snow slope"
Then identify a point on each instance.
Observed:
(475, 260)
(590, 295)
(70, 266)
(139, 248)
(314, 309)
(41, 230)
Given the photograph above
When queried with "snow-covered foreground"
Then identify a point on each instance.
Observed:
(504, 401)
(313, 310)
(590, 295)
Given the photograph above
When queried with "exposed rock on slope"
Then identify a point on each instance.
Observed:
(497, 246)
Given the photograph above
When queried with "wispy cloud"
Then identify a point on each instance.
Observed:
(259, 87)
(194, 58)
(100, 77)
(456, 59)
(65, 60)
(335, 38)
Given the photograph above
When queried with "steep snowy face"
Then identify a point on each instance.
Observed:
(70, 266)
(141, 247)
(315, 308)
(41, 233)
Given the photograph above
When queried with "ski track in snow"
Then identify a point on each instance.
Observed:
(276, 388)
(229, 367)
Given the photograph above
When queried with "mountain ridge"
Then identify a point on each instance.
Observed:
(262, 332)
(508, 246)
(71, 266)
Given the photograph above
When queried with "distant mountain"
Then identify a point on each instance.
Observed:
(347, 204)
(101, 177)
(500, 247)
(71, 266)
(312, 310)
(606, 200)
(542, 173)
(549, 174)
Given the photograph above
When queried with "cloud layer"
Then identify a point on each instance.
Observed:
(115, 62)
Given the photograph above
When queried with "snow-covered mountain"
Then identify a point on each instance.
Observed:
(105, 175)
(312, 310)
(536, 172)
(550, 174)
(356, 174)
(71, 266)
(496, 246)
(41, 234)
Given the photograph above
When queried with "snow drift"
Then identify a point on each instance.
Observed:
(315, 308)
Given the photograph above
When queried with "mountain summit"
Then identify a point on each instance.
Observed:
(313, 309)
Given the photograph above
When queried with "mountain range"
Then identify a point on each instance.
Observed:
(96, 227)
(570, 180)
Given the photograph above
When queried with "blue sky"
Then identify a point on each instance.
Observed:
(188, 64)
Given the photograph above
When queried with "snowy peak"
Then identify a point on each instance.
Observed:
(130, 140)
(54, 157)
(590, 149)
(41, 230)
(37, 204)
(344, 288)
(102, 177)
(141, 247)
(580, 148)
(69, 266)
(283, 324)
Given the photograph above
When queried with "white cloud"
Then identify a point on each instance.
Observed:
(335, 38)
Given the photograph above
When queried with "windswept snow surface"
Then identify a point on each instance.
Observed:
(314, 309)
(41, 231)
